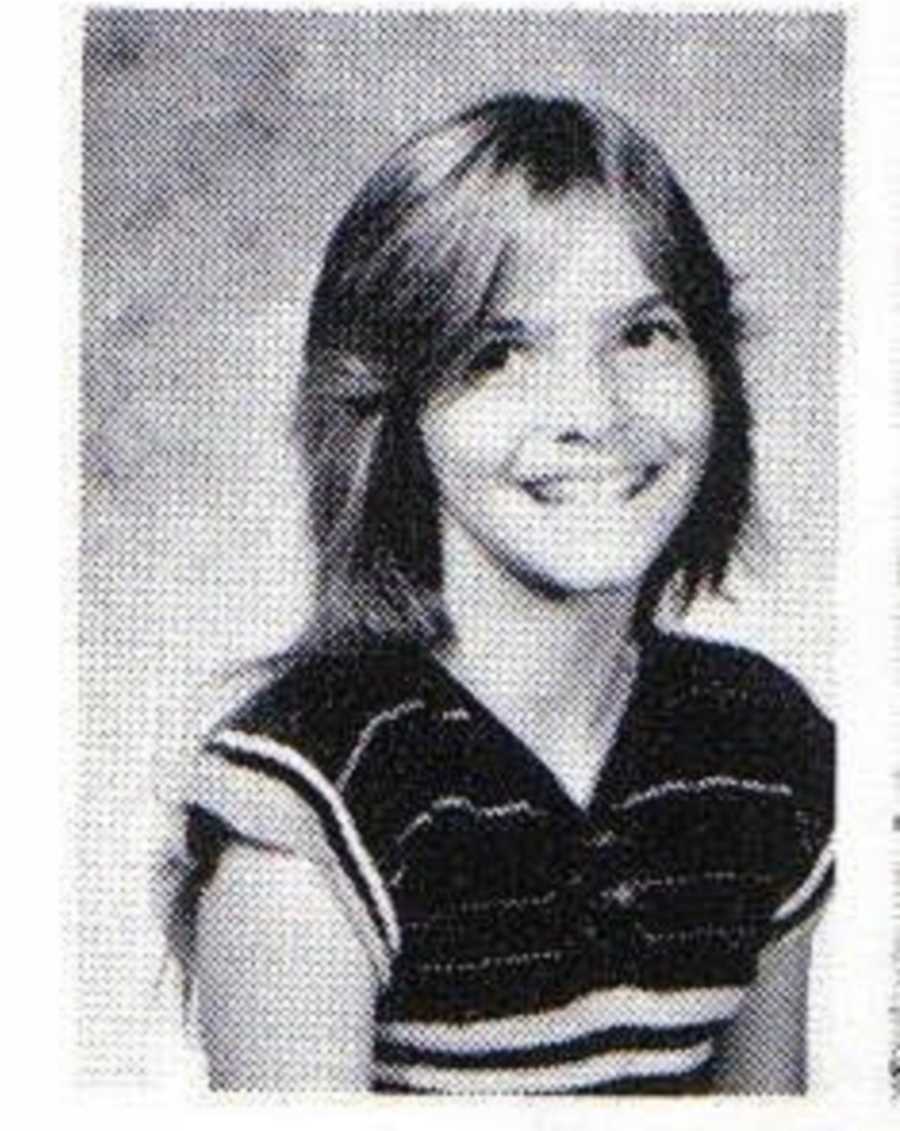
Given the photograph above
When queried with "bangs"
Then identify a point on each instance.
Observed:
(414, 268)
(430, 290)
(413, 305)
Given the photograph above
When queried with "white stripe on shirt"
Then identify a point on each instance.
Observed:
(809, 886)
(266, 747)
(700, 785)
(591, 1013)
(602, 1068)
(271, 812)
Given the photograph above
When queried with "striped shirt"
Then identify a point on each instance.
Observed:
(524, 943)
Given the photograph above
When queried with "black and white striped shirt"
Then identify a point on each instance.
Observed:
(523, 943)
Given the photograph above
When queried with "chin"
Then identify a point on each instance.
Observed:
(590, 565)
(562, 583)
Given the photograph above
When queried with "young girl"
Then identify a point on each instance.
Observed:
(487, 828)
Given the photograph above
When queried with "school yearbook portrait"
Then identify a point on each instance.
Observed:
(459, 413)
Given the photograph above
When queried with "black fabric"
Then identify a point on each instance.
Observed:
(712, 809)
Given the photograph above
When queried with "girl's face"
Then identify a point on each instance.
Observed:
(576, 444)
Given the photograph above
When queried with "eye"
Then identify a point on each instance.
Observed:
(493, 355)
(647, 332)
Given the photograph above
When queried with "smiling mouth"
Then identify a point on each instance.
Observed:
(559, 488)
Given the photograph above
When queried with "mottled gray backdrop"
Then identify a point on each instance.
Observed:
(219, 148)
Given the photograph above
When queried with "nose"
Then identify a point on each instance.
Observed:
(586, 403)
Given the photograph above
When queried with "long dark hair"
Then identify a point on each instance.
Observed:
(408, 277)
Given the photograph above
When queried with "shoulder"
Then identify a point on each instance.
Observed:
(322, 705)
(296, 765)
(727, 673)
(748, 702)
(320, 762)
(726, 714)
(737, 766)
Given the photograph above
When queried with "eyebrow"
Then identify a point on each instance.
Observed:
(648, 304)
(518, 327)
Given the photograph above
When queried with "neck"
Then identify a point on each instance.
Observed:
(536, 655)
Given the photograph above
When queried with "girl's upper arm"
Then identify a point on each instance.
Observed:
(764, 1051)
(286, 989)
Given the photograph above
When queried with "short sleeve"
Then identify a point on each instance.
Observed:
(266, 793)
(806, 751)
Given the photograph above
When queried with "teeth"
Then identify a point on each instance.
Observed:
(560, 489)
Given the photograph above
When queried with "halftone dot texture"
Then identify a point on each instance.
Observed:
(219, 150)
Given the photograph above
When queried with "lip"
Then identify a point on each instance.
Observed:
(556, 485)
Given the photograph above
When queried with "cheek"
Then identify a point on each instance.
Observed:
(697, 416)
(682, 409)
(467, 438)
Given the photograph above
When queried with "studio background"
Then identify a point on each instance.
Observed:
(219, 148)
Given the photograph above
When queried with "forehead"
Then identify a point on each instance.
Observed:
(578, 248)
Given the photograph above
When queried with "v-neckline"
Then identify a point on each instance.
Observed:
(527, 760)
